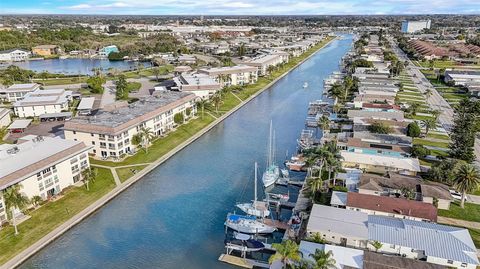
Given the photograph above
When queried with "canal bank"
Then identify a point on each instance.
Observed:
(24, 255)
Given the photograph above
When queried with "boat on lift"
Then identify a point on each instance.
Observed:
(255, 208)
(244, 242)
(247, 225)
(296, 163)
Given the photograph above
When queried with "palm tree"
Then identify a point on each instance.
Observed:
(317, 238)
(36, 200)
(429, 123)
(428, 93)
(324, 124)
(323, 259)
(147, 136)
(13, 199)
(376, 245)
(413, 108)
(435, 113)
(88, 175)
(287, 252)
(156, 72)
(217, 100)
(315, 185)
(467, 179)
(201, 103)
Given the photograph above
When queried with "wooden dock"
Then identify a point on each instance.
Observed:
(242, 262)
(277, 224)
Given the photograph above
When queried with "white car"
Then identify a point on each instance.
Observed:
(456, 195)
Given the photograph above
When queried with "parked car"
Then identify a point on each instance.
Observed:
(455, 194)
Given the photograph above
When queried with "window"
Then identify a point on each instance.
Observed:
(83, 156)
(40, 186)
(74, 160)
(74, 132)
(46, 170)
(92, 135)
(113, 153)
(55, 178)
(450, 262)
(464, 265)
(93, 142)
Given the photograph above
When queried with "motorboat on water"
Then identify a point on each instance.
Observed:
(272, 171)
(285, 173)
(282, 197)
(255, 208)
(247, 225)
(305, 85)
(296, 163)
(244, 242)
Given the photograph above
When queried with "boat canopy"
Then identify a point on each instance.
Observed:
(241, 236)
(238, 217)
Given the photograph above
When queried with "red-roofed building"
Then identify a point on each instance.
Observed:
(392, 207)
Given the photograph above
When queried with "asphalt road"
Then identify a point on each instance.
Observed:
(435, 100)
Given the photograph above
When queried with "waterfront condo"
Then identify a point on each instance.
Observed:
(110, 132)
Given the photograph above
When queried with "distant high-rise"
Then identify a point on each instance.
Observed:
(201, 17)
(415, 26)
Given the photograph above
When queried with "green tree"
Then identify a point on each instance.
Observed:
(466, 125)
(121, 84)
(147, 136)
(444, 171)
(178, 118)
(323, 259)
(89, 175)
(156, 72)
(324, 123)
(376, 245)
(201, 103)
(467, 180)
(217, 101)
(379, 128)
(287, 252)
(429, 124)
(420, 151)
(36, 200)
(13, 200)
(317, 238)
(95, 83)
(413, 108)
(413, 130)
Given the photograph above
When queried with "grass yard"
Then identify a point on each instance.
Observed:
(471, 212)
(125, 173)
(52, 214)
(439, 136)
(425, 142)
(61, 81)
(133, 86)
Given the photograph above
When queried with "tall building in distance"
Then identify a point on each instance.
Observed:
(415, 26)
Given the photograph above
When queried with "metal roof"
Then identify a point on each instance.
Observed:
(20, 124)
(86, 103)
(436, 240)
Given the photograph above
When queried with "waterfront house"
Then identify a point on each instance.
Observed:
(339, 226)
(43, 166)
(378, 163)
(41, 102)
(394, 184)
(110, 132)
(202, 85)
(361, 99)
(391, 206)
(434, 243)
(5, 118)
(46, 50)
(232, 75)
(14, 55)
(17, 92)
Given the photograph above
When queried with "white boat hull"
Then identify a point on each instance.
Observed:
(250, 209)
(250, 227)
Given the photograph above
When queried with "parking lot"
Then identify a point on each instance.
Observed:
(52, 128)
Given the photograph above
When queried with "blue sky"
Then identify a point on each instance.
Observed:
(246, 7)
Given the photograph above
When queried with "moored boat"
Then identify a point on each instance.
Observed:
(247, 225)
(255, 208)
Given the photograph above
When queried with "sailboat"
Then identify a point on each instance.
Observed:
(255, 208)
(272, 173)
(247, 225)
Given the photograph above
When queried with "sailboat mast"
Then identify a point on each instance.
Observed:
(273, 148)
(255, 198)
(269, 159)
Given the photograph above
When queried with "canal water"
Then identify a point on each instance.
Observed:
(173, 218)
(76, 66)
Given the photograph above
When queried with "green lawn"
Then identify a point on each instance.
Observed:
(52, 214)
(127, 172)
(471, 212)
(163, 145)
(420, 117)
(439, 136)
(427, 142)
(475, 234)
(133, 86)
(61, 81)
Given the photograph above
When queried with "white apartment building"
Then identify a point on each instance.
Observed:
(415, 26)
(110, 132)
(43, 166)
(41, 102)
(462, 77)
(14, 55)
(232, 75)
(262, 62)
(17, 92)
(202, 85)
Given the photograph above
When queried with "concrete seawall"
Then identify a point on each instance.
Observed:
(91, 209)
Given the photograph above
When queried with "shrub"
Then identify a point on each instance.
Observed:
(420, 151)
(178, 118)
(413, 130)
(379, 128)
